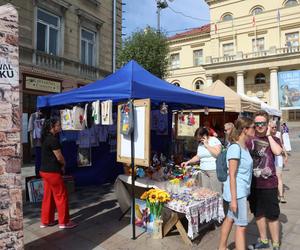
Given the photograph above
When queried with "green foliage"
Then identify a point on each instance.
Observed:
(149, 48)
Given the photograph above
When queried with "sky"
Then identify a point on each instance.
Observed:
(141, 13)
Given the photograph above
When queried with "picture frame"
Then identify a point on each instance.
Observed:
(142, 110)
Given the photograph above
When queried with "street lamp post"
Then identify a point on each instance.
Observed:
(160, 4)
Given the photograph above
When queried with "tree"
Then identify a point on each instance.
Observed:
(149, 48)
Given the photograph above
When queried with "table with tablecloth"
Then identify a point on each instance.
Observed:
(197, 212)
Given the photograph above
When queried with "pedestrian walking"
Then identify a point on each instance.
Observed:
(238, 183)
(263, 199)
(286, 137)
(280, 162)
(52, 168)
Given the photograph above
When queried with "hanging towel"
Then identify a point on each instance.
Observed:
(106, 113)
(96, 112)
(66, 119)
(78, 114)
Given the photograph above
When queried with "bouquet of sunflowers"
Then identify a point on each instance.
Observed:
(155, 199)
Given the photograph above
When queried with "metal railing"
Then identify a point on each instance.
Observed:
(60, 64)
(48, 61)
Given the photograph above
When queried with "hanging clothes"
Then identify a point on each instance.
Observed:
(88, 115)
(106, 113)
(96, 112)
(77, 116)
(35, 125)
(66, 119)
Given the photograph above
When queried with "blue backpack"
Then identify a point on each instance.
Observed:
(221, 163)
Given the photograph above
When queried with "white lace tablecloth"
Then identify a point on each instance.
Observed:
(196, 212)
(199, 212)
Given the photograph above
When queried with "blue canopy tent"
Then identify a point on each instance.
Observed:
(130, 82)
(133, 82)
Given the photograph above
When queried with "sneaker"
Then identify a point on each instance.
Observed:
(276, 248)
(48, 225)
(69, 225)
(259, 245)
(282, 199)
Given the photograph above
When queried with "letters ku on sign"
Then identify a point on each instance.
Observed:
(42, 84)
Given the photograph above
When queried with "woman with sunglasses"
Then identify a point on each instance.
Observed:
(237, 185)
(208, 149)
(280, 161)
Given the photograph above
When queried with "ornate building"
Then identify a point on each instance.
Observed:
(64, 44)
(245, 45)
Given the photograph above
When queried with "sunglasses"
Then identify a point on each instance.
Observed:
(260, 124)
(273, 127)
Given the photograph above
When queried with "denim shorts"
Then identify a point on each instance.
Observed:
(240, 218)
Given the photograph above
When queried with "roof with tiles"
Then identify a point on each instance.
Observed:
(196, 31)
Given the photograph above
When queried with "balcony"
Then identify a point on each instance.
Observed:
(88, 71)
(48, 61)
(253, 55)
(61, 65)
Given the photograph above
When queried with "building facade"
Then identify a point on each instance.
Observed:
(64, 44)
(245, 44)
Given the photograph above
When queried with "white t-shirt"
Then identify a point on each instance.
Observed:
(207, 160)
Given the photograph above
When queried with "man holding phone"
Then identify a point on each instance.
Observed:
(263, 198)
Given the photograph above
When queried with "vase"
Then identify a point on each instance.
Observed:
(157, 229)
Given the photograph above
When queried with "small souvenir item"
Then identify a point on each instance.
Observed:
(140, 172)
(206, 111)
(191, 119)
(155, 160)
(181, 117)
(164, 108)
(126, 118)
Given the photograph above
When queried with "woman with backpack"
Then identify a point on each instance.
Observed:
(208, 149)
(237, 185)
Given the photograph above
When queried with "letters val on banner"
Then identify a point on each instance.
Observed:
(289, 89)
(141, 135)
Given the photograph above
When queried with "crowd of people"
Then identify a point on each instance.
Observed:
(255, 154)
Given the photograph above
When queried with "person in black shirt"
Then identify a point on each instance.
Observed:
(52, 168)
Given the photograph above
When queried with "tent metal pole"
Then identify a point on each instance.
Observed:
(132, 175)
(223, 126)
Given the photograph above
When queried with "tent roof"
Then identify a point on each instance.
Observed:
(132, 82)
(233, 101)
(268, 108)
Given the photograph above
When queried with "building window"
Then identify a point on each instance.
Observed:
(289, 3)
(228, 49)
(292, 39)
(199, 84)
(47, 32)
(176, 84)
(258, 44)
(87, 47)
(198, 57)
(229, 81)
(257, 10)
(174, 61)
(227, 17)
(260, 78)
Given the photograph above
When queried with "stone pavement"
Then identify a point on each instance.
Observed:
(97, 212)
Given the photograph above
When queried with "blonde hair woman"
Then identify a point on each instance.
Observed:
(237, 185)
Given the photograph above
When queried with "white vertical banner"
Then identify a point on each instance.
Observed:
(10, 130)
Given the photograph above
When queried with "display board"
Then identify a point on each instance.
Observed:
(141, 135)
(187, 126)
(289, 89)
